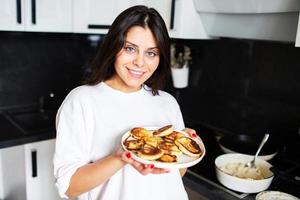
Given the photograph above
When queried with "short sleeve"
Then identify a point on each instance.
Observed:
(71, 142)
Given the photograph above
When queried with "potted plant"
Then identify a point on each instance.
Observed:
(180, 66)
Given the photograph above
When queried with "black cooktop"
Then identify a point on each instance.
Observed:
(287, 171)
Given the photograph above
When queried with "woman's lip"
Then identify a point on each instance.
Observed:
(135, 73)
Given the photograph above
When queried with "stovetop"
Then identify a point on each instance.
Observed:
(287, 170)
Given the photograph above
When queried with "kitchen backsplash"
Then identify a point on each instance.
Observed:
(34, 64)
(244, 87)
(234, 84)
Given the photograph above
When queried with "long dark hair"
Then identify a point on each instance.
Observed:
(103, 63)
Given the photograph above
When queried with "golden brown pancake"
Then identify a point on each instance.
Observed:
(188, 146)
(149, 152)
(166, 130)
(173, 136)
(170, 148)
(153, 140)
(168, 158)
(140, 133)
(134, 145)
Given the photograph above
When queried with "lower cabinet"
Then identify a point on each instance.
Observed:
(40, 182)
(12, 174)
(27, 170)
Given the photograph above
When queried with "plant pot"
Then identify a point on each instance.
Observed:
(180, 77)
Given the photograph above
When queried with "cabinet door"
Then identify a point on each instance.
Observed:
(187, 22)
(96, 16)
(12, 176)
(12, 15)
(48, 15)
(164, 8)
(40, 182)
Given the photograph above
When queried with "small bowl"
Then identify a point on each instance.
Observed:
(244, 185)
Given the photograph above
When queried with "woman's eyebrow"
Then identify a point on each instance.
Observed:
(131, 43)
(138, 46)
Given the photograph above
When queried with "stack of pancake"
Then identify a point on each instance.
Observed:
(163, 144)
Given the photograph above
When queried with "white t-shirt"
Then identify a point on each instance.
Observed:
(90, 123)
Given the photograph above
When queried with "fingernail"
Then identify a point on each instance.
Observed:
(194, 135)
(128, 155)
(151, 166)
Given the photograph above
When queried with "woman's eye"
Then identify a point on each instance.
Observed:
(151, 54)
(129, 49)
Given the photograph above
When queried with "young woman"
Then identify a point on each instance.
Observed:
(122, 92)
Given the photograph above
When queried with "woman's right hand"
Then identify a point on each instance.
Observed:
(144, 169)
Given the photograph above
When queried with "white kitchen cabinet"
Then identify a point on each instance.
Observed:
(96, 16)
(36, 15)
(12, 174)
(26, 172)
(12, 15)
(40, 182)
(187, 22)
(48, 15)
(165, 9)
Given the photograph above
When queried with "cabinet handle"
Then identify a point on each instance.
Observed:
(172, 14)
(34, 163)
(96, 26)
(19, 18)
(33, 11)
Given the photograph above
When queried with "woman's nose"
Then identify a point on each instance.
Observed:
(139, 60)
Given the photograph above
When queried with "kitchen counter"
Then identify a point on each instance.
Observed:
(12, 135)
(209, 190)
(202, 179)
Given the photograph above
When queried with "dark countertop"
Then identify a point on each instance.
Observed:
(10, 135)
(210, 190)
(202, 179)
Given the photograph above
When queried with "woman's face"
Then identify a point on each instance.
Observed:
(137, 60)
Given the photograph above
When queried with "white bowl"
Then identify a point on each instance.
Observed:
(242, 184)
(264, 157)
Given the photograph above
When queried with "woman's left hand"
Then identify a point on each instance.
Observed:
(192, 133)
(142, 168)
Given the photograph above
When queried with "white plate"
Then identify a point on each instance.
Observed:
(183, 161)
(270, 195)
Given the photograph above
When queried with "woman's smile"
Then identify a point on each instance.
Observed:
(135, 73)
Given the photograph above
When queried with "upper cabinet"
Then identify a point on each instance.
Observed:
(12, 15)
(180, 16)
(48, 15)
(96, 16)
(187, 22)
(165, 9)
(36, 15)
